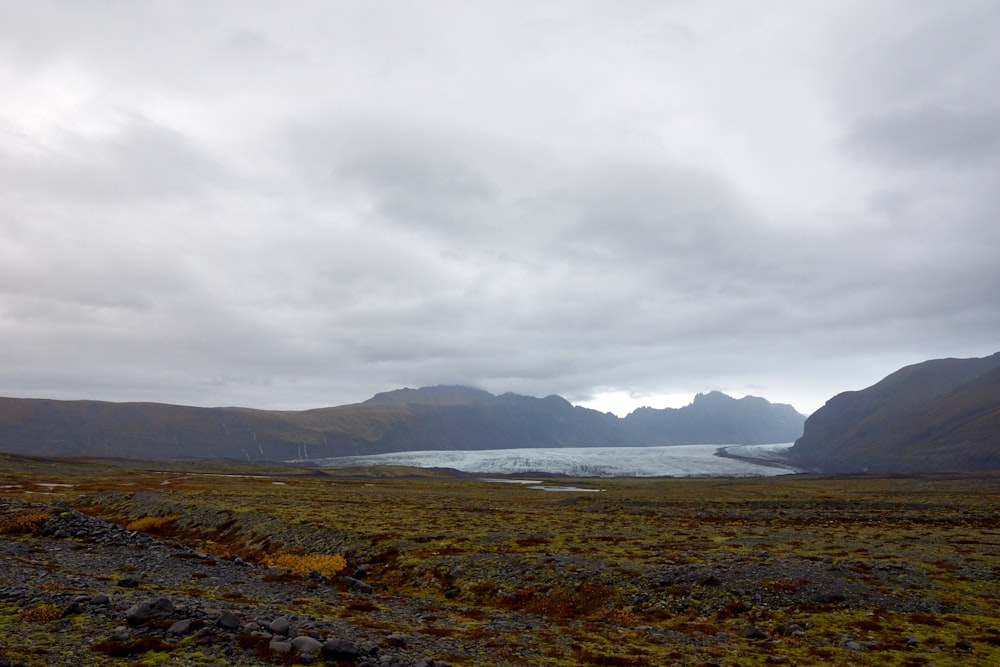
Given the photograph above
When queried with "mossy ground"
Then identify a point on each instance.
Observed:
(646, 572)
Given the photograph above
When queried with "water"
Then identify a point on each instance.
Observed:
(673, 461)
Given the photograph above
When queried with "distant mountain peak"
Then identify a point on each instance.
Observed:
(713, 397)
(718, 418)
(434, 395)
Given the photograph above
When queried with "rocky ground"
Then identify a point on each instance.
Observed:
(76, 589)
(70, 577)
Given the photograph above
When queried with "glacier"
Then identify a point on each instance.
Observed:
(668, 461)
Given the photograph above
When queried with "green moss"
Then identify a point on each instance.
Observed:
(927, 541)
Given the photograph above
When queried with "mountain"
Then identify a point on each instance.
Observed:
(431, 418)
(939, 415)
(717, 418)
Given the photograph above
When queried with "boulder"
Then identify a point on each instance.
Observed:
(279, 647)
(229, 621)
(279, 626)
(181, 627)
(305, 645)
(147, 611)
(341, 649)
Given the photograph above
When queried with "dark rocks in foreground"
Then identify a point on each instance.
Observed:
(156, 613)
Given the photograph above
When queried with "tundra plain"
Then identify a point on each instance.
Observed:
(449, 569)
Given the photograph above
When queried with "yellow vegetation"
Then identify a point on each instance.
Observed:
(42, 613)
(22, 522)
(305, 563)
(152, 524)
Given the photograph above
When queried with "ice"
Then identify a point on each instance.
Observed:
(673, 461)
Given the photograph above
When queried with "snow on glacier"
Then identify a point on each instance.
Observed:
(672, 461)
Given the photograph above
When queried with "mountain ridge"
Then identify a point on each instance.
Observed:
(437, 418)
(937, 415)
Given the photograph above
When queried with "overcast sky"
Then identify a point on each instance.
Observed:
(624, 202)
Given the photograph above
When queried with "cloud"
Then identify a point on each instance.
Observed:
(241, 204)
(928, 136)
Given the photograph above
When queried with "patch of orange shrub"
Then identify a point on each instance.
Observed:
(22, 522)
(306, 563)
(42, 613)
(152, 524)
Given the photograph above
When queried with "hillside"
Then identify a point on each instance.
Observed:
(937, 415)
(434, 418)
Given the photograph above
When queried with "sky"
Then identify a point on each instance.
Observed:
(624, 202)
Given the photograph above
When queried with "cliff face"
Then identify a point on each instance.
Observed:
(939, 415)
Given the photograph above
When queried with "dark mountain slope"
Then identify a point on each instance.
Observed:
(432, 418)
(149, 431)
(942, 414)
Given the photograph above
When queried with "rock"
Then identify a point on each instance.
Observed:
(100, 599)
(396, 639)
(128, 582)
(281, 648)
(854, 646)
(789, 629)
(70, 609)
(341, 649)
(753, 632)
(180, 627)
(305, 645)
(279, 626)
(353, 584)
(147, 611)
(963, 644)
(228, 620)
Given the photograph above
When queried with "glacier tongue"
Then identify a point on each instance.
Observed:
(673, 461)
